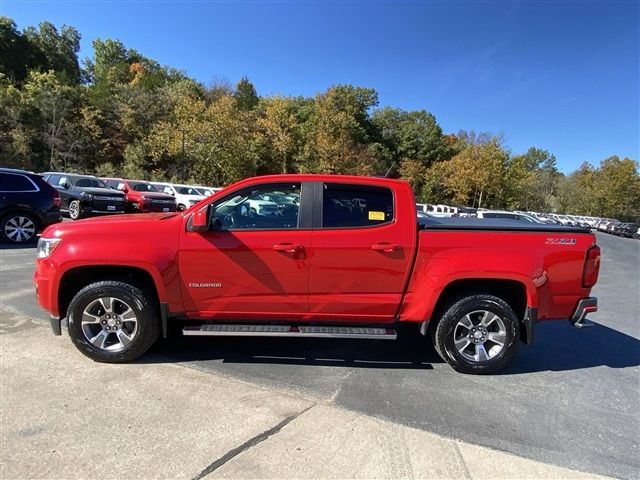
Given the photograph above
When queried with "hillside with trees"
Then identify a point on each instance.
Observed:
(121, 113)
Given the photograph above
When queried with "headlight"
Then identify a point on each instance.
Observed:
(46, 246)
(86, 196)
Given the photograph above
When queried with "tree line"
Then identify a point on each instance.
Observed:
(120, 113)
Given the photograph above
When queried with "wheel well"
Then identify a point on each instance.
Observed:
(30, 214)
(511, 291)
(77, 278)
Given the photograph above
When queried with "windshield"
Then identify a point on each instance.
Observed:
(88, 182)
(188, 191)
(142, 187)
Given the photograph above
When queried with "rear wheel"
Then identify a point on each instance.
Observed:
(181, 207)
(477, 334)
(113, 321)
(18, 228)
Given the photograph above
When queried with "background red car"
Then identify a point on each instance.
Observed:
(142, 196)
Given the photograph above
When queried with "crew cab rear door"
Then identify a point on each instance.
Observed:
(363, 244)
(253, 262)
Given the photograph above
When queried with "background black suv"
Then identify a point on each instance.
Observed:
(85, 195)
(28, 204)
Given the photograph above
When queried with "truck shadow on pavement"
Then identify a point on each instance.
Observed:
(557, 347)
(402, 354)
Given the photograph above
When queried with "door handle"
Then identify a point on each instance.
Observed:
(287, 247)
(386, 247)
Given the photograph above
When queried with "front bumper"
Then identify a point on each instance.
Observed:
(586, 305)
(154, 208)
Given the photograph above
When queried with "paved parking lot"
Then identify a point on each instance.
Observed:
(571, 399)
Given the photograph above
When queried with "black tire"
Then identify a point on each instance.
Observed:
(444, 335)
(142, 304)
(18, 228)
(181, 207)
(75, 210)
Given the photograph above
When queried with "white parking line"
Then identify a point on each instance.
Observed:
(15, 294)
(13, 253)
(17, 266)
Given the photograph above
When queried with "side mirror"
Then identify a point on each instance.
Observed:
(65, 185)
(200, 220)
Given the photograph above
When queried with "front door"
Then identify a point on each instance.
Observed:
(253, 263)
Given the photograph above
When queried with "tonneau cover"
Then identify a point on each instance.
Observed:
(493, 224)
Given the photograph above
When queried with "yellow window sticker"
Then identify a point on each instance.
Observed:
(376, 215)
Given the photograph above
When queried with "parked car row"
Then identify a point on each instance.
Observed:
(29, 201)
(87, 195)
(616, 227)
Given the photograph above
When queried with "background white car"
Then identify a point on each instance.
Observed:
(520, 216)
(206, 191)
(184, 194)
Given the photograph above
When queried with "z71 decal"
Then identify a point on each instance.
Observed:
(560, 241)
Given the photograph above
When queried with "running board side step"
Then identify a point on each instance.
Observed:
(239, 330)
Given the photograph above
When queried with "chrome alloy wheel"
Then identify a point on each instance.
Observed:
(480, 335)
(74, 209)
(109, 323)
(20, 229)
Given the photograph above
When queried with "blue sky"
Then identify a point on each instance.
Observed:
(557, 75)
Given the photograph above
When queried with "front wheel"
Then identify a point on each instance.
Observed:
(75, 210)
(113, 321)
(477, 334)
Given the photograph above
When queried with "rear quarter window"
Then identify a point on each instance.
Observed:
(11, 182)
(345, 205)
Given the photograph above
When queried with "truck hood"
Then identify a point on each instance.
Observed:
(107, 192)
(116, 224)
(156, 196)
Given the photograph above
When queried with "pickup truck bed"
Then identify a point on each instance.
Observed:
(493, 224)
(340, 256)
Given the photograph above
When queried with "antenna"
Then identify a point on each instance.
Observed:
(386, 175)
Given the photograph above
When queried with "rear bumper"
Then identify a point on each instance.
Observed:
(49, 218)
(586, 305)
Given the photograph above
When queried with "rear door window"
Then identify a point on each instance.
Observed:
(348, 205)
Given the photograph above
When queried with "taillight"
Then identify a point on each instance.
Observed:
(591, 267)
(56, 198)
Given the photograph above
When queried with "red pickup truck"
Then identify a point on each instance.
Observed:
(142, 196)
(314, 256)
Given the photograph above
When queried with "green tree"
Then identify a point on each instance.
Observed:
(57, 51)
(338, 132)
(51, 106)
(474, 176)
(246, 97)
(414, 140)
(277, 135)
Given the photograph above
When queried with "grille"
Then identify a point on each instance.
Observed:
(109, 199)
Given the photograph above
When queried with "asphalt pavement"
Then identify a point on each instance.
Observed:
(571, 399)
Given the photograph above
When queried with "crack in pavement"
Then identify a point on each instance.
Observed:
(252, 442)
